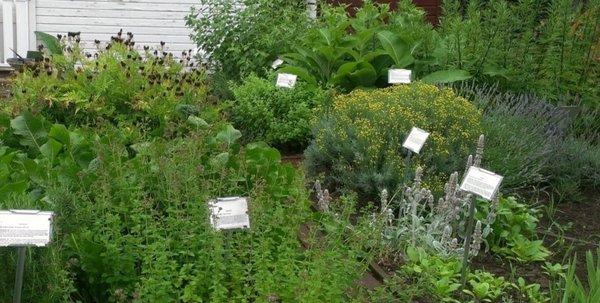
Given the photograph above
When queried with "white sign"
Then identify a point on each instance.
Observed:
(286, 80)
(276, 63)
(416, 139)
(25, 227)
(481, 182)
(399, 76)
(229, 213)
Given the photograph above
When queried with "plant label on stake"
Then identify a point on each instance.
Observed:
(481, 182)
(415, 140)
(276, 63)
(22, 228)
(286, 80)
(229, 213)
(25, 227)
(396, 76)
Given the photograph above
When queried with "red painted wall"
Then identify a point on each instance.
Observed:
(432, 7)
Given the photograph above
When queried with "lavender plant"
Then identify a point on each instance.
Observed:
(525, 133)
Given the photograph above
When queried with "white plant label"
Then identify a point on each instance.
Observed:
(481, 182)
(396, 76)
(286, 80)
(276, 63)
(25, 227)
(229, 213)
(416, 139)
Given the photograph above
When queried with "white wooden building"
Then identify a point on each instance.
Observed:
(151, 21)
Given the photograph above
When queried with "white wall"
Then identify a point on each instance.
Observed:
(151, 21)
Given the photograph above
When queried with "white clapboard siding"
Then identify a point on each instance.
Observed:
(151, 21)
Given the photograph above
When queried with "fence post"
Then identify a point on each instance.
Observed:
(22, 22)
(8, 29)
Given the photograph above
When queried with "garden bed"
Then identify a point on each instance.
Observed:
(362, 158)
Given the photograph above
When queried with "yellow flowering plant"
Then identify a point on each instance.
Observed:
(357, 142)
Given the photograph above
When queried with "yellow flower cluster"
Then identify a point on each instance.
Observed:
(379, 121)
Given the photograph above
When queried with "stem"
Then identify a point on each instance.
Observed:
(407, 165)
(458, 47)
(468, 236)
(562, 49)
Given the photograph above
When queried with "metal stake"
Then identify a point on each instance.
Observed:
(20, 272)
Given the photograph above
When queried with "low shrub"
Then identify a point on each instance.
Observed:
(358, 141)
(118, 84)
(275, 115)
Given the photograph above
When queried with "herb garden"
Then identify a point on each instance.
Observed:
(379, 158)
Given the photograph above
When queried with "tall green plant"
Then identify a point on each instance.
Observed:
(245, 36)
(350, 52)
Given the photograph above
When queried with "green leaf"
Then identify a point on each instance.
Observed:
(50, 149)
(396, 48)
(353, 74)
(495, 71)
(447, 76)
(142, 148)
(60, 133)
(220, 160)
(229, 135)
(50, 42)
(12, 188)
(481, 289)
(197, 122)
(300, 72)
(31, 129)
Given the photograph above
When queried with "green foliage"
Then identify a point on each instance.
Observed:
(133, 225)
(549, 48)
(441, 277)
(358, 142)
(39, 154)
(576, 290)
(275, 115)
(513, 233)
(50, 42)
(350, 52)
(485, 287)
(119, 85)
(243, 37)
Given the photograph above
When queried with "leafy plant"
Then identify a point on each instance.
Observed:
(549, 48)
(275, 115)
(39, 154)
(485, 287)
(514, 230)
(118, 85)
(244, 37)
(349, 52)
(576, 290)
